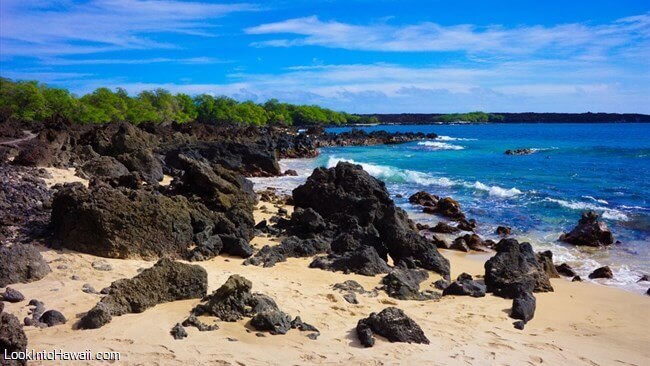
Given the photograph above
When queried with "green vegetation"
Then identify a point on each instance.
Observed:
(469, 117)
(33, 101)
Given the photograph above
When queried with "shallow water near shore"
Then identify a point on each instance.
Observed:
(573, 167)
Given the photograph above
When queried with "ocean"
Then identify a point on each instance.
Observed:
(574, 167)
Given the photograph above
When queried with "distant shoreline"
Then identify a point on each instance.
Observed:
(510, 118)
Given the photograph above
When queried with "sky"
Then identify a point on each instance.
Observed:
(357, 56)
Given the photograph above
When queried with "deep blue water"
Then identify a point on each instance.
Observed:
(604, 167)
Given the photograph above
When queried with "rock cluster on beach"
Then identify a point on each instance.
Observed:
(589, 232)
(165, 281)
(234, 301)
(345, 212)
(392, 324)
(343, 220)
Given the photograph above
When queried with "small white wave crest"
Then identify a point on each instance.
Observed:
(497, 191)
(607, 213)
(449, 138)
(436, 145)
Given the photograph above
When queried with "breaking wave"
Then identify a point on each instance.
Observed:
(436, 145)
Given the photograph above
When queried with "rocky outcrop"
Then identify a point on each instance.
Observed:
(589, 232)
(513, 266)
(347, 213)
(565, 270)
(524, 151)
(468, 242)
(164, 282)
(122, 223)
(273, 321)
(250, 158)
(21, 263)
(234, 301)
(358, 137)
(126, 223)
(523, 306)
(12, 338)
(545, 259)
(404, 284)
(364, 261)
(24, 204)
(392, 324)
(602, 272)
(503, 231)
(465, 286)
(106, 167)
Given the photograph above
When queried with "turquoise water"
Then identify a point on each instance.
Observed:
(604, 167)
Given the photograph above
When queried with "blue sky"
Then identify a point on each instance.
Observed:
(358, 56)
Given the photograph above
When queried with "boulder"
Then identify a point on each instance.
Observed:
(102, 167)
(515, 265)
(565, 270)
(404, 284)
(24, 204)
(273, 321)
(144, 163)
(12, 338)
(467, 242)
(21, 264)
(523, 306)
(347, 194)
(545, 259)
(164, 282)
(250, 158)
(423, 198)
(392, 324)
(602, 272)
(447, 207)
(522, 151)
(234, 301)
(589, 232)
(127, 223)
(465, 286)
(122, 223)
(503, 231)
(178, 331)
(291, 247)
(444, 228)
(52, 318)
(297, 323)
(306, 223)
(364, 261)
(12, 295)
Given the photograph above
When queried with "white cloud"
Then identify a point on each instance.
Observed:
(67, 27)
(389, 88)
(495, 39)
(118, 61)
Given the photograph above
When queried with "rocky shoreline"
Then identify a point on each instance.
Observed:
(159, 194)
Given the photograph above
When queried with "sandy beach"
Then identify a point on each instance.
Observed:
(578, 324)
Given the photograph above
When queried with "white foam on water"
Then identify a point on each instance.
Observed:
(596, 200)
(449, 138)
(392, 174)
(538, 149)
(435, 145)
(607, 213)
(497, 191)
(584, 261)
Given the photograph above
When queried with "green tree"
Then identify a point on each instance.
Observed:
(113, 105)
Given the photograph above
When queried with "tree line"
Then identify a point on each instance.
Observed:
(34, 101)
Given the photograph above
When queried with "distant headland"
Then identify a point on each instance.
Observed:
(527, 117)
